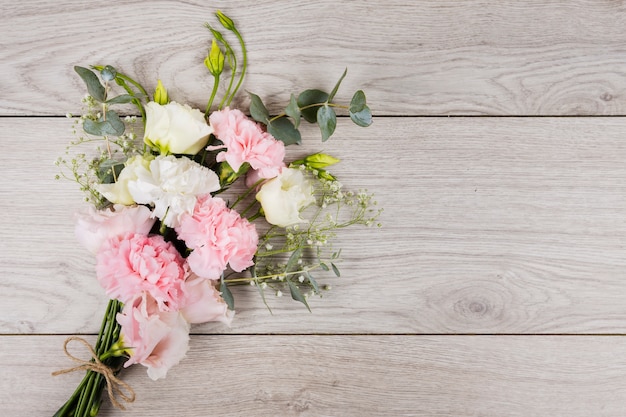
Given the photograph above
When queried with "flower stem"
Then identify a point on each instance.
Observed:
(232, 62)
(85, 401)
(244, 64)
(216, 84)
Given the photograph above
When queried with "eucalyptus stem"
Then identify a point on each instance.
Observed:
(309, 106)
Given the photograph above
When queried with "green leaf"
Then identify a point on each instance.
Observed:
(309, 97)
(293, 260)
(324, 266)
(260, 288)
(335, 269)
(107, 168)
(283, 130)
(94, 87)
(362, 118)
(297, 295)
(108, 73)
(121, 99)
(227, 295)
(258, 111)
(293, 111)
(332, 93)
(358, 102)
(312, 281)
(327, 121)
(112, 125)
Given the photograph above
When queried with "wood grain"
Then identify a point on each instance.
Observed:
(432, 57)
(346, 375)
(491, 225)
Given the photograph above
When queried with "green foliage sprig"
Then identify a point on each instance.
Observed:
(315, 106)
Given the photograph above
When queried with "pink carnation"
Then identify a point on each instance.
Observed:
(129, 264)
(246, 142)
(203, 302)
(157, 339)
(218, 236)
(94, 227)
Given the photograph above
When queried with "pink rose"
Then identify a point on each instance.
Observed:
(246, 142)
(218, 236)
(131, 263)
(94, 227)
(157, 339)
(203, 302)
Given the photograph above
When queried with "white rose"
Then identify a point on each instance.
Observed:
(176, 128)
(172, 185)
(117, 192)
(283, 197)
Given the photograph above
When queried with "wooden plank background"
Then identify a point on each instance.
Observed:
(496, 284)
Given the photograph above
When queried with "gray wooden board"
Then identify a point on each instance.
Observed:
(491, 225)
(271, 375)
(417, 57)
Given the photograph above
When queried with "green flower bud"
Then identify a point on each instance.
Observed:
(160, 94)
(228, 176)
(225, 20)
(325, 175)
(317, 161)
(215, 60)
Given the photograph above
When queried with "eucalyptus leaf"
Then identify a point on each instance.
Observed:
(293, 111)
(227, 295)
(332, 93)
(358, 102)
(116, 123)
(108, 73)
(259, 287)
(297, 295)
(258, 111)
(121, 99)
(324, 266)
(94, 87)
(335, 269)
(112, 125)
(362, 118)
(309, 97)
(283, 130)
(312, 281)
(293, 260)
(109, 170)
(327, 121)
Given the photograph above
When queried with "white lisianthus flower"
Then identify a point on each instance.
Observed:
(172, 185)
(283, 197)
(175, 128)
(117, 192)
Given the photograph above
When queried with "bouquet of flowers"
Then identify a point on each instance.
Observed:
(205, 201)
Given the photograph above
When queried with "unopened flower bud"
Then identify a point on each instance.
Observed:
(226, 21)
(160, 94)
(215, 60)
(317, 161)
(228, 175)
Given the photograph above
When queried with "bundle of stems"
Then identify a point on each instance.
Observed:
(87, 398)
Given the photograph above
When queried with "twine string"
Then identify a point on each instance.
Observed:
(115, 386)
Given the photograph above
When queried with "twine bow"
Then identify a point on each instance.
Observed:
(113, 383)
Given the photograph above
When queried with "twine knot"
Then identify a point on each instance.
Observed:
(115, 386)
